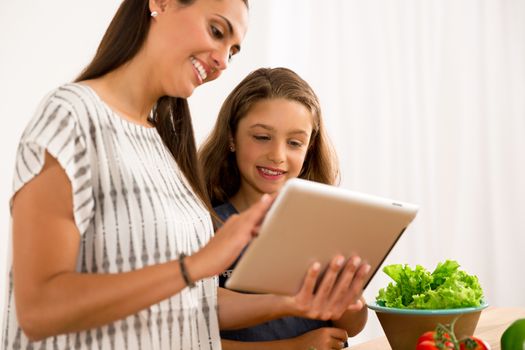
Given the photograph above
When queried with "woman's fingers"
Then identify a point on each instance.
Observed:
(305, 295)
(326, 286)
(358, 305)
(356, 288)
(255, 214)
(342, 289)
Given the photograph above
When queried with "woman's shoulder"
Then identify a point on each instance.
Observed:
(71, 103)
(71, 96)
(62, 112)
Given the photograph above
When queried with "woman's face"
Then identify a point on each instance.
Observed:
(190, 45)
(270, 144)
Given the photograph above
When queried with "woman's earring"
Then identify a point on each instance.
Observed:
(154, 14)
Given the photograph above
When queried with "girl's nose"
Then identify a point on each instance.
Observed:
(277, 154)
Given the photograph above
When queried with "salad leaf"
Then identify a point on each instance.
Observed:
(446, 287)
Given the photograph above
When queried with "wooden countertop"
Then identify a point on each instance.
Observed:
(492, 323)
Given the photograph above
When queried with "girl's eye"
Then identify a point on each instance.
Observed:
(295, 143)
(261, 137)
(216, 32)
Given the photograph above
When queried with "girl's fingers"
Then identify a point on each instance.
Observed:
(339, 334)
(337, 344)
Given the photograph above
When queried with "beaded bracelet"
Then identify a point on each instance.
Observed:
(184, 272)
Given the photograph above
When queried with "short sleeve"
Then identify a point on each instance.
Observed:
(55, 128)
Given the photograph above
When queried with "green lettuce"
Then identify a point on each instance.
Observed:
(445, 288)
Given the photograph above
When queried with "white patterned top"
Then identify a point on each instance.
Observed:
(133, 208)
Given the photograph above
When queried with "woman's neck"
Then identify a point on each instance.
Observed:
(128, 91)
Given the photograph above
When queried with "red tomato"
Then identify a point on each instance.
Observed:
(431, 345)
(426, 345)
(473, 343)
(426, 336)
(430, 335)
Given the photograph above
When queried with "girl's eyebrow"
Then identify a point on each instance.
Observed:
(270, 128)
(298, 131)
(231, 31)
(264, 126)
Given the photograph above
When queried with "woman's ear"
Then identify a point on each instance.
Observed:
(232, 144)
(157, 6)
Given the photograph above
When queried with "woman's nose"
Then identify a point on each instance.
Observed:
(220, 58)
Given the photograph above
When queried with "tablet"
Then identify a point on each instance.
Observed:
(311, 222)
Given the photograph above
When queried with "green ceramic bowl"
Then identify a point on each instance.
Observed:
(403, 327)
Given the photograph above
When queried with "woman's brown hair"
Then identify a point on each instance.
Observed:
(123, 39)
(221, 173)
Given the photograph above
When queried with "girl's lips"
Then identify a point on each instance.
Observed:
(270, 173)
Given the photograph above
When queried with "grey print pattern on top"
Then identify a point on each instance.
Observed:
(132, 208)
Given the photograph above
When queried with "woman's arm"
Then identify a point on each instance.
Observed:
(239, 310)
(52, 298)
(338, 294)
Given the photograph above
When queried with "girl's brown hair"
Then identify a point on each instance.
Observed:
(221, 173)
(123, 39)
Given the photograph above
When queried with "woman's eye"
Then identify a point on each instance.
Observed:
(216, 32)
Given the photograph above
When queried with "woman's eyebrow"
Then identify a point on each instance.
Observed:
(231, 31)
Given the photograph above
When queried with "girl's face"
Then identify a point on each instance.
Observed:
(191, 45)
(271, 144)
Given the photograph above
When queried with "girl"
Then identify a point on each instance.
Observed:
(269, 130)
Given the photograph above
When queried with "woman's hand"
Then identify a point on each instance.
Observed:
(339, 290)
(228, 242)
(325, 338)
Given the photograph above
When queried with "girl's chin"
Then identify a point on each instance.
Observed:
(270, 189)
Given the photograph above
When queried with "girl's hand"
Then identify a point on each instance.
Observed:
(325, 338)
(339, 291)
(228, 242)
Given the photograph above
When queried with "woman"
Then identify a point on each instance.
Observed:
(270, 129)
(108, 201)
